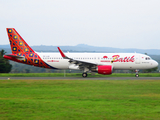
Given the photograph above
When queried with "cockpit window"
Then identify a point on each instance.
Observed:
(148, 58)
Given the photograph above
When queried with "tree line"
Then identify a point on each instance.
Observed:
(5, 66)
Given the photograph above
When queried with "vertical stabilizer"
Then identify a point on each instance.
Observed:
(18, 45)
(22, 52)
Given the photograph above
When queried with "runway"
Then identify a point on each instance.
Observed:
(79, 78)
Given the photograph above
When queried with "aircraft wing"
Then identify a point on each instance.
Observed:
(82, 64)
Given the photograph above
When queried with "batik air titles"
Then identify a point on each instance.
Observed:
(102, 63)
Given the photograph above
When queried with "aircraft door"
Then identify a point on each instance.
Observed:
(137, 59)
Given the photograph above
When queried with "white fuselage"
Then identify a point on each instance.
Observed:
(127, 61)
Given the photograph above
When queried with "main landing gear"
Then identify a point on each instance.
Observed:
(84, 74)
(137, 75)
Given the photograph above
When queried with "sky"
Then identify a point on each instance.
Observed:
(104, 23)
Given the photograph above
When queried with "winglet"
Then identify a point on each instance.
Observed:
(62, 54)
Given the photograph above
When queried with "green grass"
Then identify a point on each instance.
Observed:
(76, 75)
(80, 99)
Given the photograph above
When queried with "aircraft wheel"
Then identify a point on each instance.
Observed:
(136, 75)
(84, 75)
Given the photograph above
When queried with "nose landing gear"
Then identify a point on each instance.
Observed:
(137, 75)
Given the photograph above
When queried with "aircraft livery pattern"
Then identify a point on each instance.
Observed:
(20, 48)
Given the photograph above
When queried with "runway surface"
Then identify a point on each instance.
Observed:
(79, 78)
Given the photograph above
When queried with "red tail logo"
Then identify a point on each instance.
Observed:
(20, 48)
(18, 45)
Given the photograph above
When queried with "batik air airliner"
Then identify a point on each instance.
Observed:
(102, 63)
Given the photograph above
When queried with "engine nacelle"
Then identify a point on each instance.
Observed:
(103, 69)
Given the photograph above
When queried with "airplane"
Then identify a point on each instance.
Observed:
(102, 63)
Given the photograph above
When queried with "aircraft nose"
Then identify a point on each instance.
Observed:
(155, 64)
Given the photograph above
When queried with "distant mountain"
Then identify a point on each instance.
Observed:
(5, 46)
(86, 48)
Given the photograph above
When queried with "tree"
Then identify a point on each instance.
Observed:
(5, 66)
(150, 70)
(27, 70)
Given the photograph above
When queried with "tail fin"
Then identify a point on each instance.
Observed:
(22, 52)
(18, 45)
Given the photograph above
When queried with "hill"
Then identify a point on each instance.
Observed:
(86, 48)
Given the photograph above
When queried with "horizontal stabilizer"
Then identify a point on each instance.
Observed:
(14, 56)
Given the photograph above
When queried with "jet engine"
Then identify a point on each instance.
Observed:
(103, 69)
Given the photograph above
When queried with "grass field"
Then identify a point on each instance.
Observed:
(80, 99)
(76, 75)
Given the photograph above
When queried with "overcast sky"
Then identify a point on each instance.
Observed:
(106, 23)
